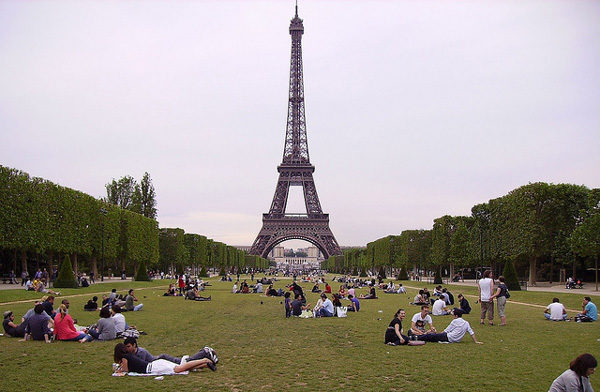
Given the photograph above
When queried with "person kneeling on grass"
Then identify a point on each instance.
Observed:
(130, 363)
(453, 332)
(143, 354)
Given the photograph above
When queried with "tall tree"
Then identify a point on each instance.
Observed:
(129, 195)
(147, 197)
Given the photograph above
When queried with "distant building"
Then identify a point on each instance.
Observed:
(312, 260)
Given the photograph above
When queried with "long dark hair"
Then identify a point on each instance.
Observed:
(398, 312)
(120, 352)
(582, 363)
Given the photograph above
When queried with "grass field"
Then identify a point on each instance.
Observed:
(261, 350)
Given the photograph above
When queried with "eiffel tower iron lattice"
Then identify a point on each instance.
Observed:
(296, 170)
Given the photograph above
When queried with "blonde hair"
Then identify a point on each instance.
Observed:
(63, 310)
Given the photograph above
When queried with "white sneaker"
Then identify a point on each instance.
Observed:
(184, 359)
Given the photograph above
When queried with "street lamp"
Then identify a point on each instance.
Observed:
(103, 212)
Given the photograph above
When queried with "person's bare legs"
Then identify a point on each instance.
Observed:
(196, 364)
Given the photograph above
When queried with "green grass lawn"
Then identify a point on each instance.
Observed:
(259, 349)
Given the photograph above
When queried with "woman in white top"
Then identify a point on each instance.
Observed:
(486, 291)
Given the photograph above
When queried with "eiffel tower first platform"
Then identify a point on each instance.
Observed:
(296, 170)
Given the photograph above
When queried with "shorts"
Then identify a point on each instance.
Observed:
(161, 366)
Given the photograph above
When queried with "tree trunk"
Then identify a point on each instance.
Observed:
(74, 263)
(94, 266)
(551, 268)
(596, 271)
(23, 260)
(451, 271)
(532, 271)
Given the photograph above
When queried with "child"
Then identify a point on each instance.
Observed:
(288, 305)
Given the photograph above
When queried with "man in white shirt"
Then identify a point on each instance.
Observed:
(420, 321)
(439, 307)
(555, 311)
(327, 308)
(486, 290)
(453, 332)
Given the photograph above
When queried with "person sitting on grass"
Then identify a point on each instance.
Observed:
(327, 309)
(36, 326)
(271, 292)
(371, 294)
(91, 305)
(343, 292)
(464, 304)
(439, 307)
(589, 313)
(315, 288)
(129, 302)
(419, 299)
(420, 321)
(327, 288)
(298, 306)
(194, 295)
(12, 329)
(401, 289)
(41, 287)
(130, 363)
(171, 292)
(105, 327)
(143, 354)
(119, 319)
(64, 328)
(393, 333)
(354, 304)
(577, 377)
(453, 332)
(555, 311)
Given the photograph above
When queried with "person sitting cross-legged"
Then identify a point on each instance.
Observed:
(419, 321)
(64, 328)
(453, 332)
(555, 311)
(327, 309)
(439, 307)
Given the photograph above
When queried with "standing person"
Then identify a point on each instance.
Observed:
(486, 290)
(453, 333)
(287, 304)
(24, 276)
(501, 295)
(577, 377)
(589, 313)
(555, 311)
(393, 333)
(92, 277)
(181, 284)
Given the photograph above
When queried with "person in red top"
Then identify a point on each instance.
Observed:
(181, 284)
(64, 328)
(327, 288)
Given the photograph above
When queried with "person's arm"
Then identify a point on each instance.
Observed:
(399, 333)
(491, 289)
(47, 338)
(414, 328)
(564, 311)
(123, 368)
(479, 288)
(496, 294)
(475, 339)
(548, 310)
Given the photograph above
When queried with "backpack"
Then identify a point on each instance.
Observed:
(450, 298)
(506, 293)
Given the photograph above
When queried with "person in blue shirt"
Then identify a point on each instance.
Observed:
(354, 304)
(590, 312)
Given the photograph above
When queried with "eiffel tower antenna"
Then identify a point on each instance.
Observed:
(296, 170)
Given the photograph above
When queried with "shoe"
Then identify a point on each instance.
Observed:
(184, 359)
(213, 356)
(212, 366)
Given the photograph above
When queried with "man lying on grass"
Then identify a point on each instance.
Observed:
(453, 332)
(130, 363)
(143, 354)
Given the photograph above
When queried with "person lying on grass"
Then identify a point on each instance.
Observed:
(453, 332)
(130, 363)
(143, 354)
(371, 294)
(194, 295)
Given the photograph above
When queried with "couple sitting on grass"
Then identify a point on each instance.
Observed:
(131, 358)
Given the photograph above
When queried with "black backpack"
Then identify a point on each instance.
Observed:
(450, 298)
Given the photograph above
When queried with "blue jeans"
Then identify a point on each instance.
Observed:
(325, 313)
(547, 315)
(82, 335)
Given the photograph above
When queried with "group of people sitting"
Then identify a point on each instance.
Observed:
(557, 312)
(40, 285)
(422, 329)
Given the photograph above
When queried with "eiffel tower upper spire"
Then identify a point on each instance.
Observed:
(296, 144)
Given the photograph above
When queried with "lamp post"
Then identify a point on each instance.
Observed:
(103, 212)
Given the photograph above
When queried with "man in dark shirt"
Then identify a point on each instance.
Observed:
(297, 306)
(49, 306)
(37, 325)
(143, 354)
(12, 329)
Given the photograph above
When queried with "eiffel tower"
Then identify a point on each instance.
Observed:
(296, 170)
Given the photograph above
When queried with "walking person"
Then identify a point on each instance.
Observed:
(501, 295)
(486, 290)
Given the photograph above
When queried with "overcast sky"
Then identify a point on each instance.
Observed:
(414, 109)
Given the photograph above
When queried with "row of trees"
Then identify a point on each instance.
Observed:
(539, 227)
(42, 221)
(179, 250)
